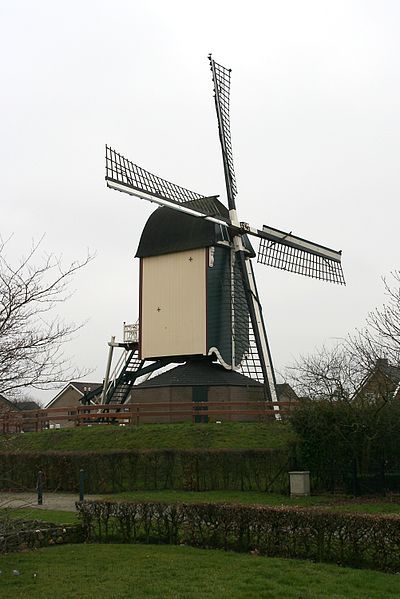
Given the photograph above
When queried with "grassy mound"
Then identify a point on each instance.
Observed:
(228, 435)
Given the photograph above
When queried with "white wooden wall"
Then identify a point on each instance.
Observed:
(173, 304)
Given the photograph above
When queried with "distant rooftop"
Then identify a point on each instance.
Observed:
(392, 372)
(84, 387)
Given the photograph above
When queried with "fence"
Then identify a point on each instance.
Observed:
(137, 413)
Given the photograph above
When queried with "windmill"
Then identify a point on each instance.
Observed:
(198, 293)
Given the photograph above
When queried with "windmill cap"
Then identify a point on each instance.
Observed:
(168, 231)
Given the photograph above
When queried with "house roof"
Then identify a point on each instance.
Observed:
(287, 390)
(392, 372)
(197, 373)
(80, 386)
(381, 367)
(84, 387)
(20, 405)
(7, 402)
(27, 405)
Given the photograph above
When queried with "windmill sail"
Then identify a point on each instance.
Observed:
(251, 365)
(222, 85)
(294, 254)
(124, 175)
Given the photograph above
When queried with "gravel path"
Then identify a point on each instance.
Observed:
(51, 501)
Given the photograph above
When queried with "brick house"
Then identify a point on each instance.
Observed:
(7, 406)
(381, 384)
(69, 398)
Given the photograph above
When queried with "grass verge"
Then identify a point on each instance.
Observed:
(53, 516)
(180, 572)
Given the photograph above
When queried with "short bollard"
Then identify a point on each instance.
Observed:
(81, 484)
(39, 487)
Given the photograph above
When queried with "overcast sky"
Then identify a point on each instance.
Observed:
(315, 131)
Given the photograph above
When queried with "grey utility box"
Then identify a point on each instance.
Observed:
(299, 483)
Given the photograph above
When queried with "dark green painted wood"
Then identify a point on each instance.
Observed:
(242, 314)
(200, 394)
(219, 303)
(219, 307)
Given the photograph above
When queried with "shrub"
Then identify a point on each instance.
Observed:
(349, 539)
(20, 536)
(109, 472)
(349, 447)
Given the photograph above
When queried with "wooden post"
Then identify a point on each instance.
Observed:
(81, 484)
(39, 487)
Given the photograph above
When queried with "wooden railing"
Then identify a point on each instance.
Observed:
(136, 413)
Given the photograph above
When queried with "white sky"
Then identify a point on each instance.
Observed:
(315, 131)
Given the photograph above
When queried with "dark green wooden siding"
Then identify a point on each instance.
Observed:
(241, 315)
(219, 307)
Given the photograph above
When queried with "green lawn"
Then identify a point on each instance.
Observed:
(135, 571)
(232, 435)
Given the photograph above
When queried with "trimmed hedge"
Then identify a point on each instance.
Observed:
(130, 470)
(349, 447)
(365, 540)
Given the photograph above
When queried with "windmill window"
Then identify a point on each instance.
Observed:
(224, 233)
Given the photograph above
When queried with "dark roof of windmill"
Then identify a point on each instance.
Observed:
(199, 373)
(168, 231)
(210, 206)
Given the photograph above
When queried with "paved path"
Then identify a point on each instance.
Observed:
(51, 501)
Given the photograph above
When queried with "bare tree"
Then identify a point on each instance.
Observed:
(381, 335)
(337, 373)
(32, 334)
(328, 374)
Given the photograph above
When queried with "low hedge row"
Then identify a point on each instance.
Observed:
(191, 470)
(33, 535)
(361, 540)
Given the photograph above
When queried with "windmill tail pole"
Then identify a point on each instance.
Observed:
(108, 368)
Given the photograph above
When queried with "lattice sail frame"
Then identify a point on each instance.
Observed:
(250, 365)
(292, 259)
(222, 86)
(121, 170)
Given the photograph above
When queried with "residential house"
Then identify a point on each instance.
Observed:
(65, 403)
(6, 405)
(17, 406)
(382, 383)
